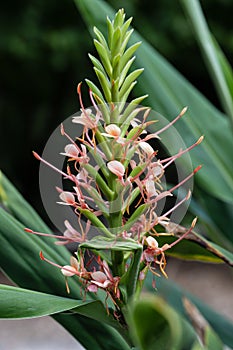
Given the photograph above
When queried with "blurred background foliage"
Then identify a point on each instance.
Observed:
(43, 56)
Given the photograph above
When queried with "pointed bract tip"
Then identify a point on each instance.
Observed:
(62, 129)
(58, 189)
(79, 88)
(28, 230)
(36, 155)
(188, 195)
(41, 255)
(194, 222)
(197, 169)
(184, 110)
(200, 140)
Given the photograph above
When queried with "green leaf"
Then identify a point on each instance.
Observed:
(129, 80)
(23, 303)
(199, 25)
(168, 93)
(155, 325)
(104, 84)
(19, 207)
(213, 215)
(188, 250)
(212, 250)
(173, 295)
(135, 216)
(101, 39)
(116, 244)
(103, 56)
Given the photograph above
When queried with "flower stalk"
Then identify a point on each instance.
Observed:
(119, 193)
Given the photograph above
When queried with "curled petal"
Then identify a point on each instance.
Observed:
(92, 288)
(71, 151)
(69, 271)
(146, 148)
(99, 276)
(157, 169)
(150, 188)
(67, 197)
(116, 168)
(152, 243)
(113, 130)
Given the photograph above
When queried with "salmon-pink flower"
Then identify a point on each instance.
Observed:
(67, 198)
(69, 271)
(116, 168)
(112, 130)
(100, 279)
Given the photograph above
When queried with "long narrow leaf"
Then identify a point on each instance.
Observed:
(194, 12)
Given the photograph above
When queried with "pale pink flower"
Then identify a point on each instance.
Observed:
(112, 130)
(67, 198)
(152, 243)
(71, 233)
(146, 148)
(71, 151)
(116, 168)
(69, 271)
(86, 119)
(104, 280)
(150, 188)
(156, 169)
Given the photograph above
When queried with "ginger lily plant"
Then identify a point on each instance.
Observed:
(119, 193)
(116, 181)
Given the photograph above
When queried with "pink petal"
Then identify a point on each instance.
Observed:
(71, 151)
(68, 271)
(99, 276)
(67, 197)
(113, 130)
(92, 288)
(152, 243)
(116, 168)
(146, 148)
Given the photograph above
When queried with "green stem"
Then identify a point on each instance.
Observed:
(118, 263)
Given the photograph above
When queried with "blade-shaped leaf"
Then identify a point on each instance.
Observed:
(193, 236)
(213, 215)
(117, 244)
(155, 325)
(168, 93)
(18, 303)
(15, 203)
(172, 294)
(23, 303)
(199, 25)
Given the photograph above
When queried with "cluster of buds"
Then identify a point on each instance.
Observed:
(116, 177)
